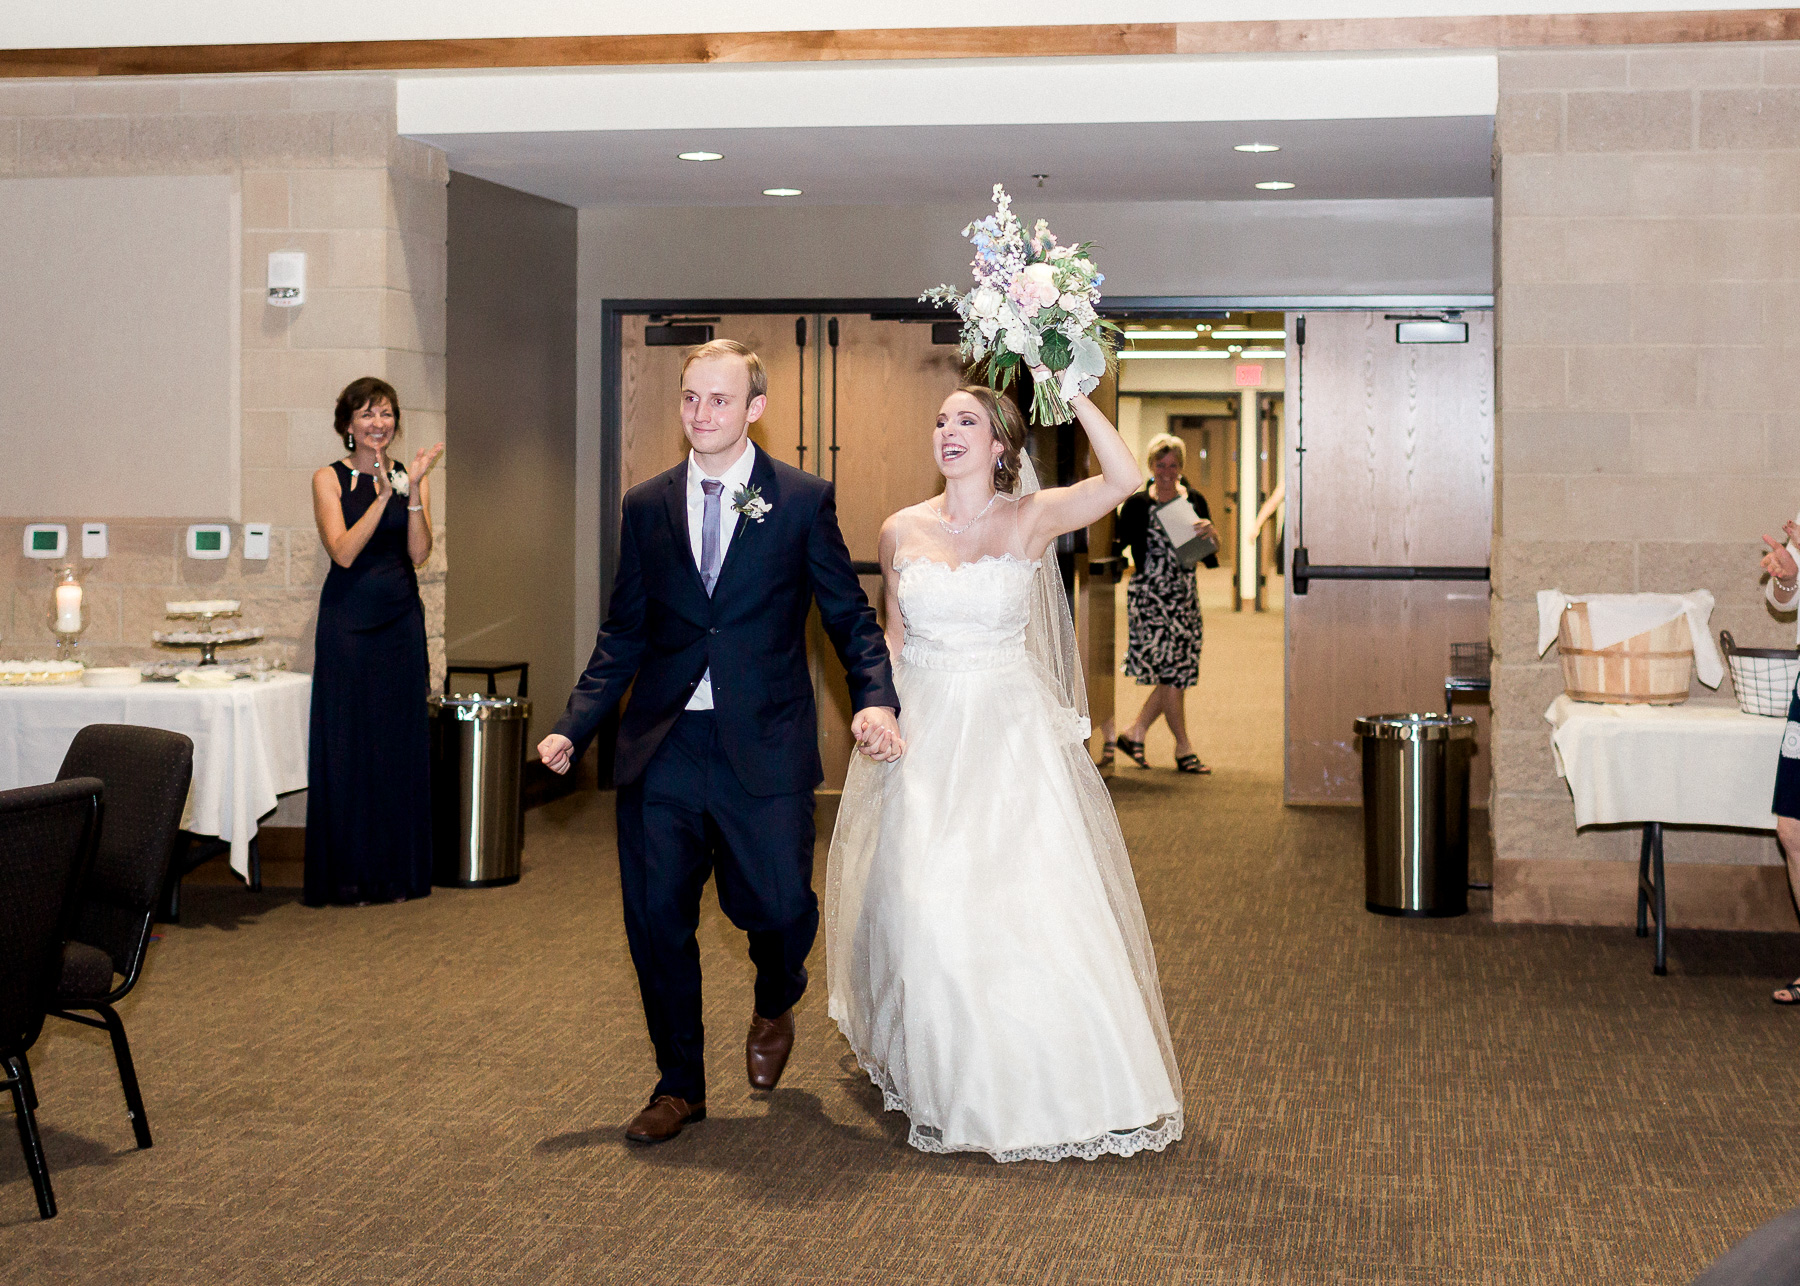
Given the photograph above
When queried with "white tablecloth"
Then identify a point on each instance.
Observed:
(249, 742)
(1696, 764)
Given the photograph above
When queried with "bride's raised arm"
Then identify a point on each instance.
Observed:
(1055, 510)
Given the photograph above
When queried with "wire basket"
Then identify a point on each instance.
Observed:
(1470, 661)
(1761, 677)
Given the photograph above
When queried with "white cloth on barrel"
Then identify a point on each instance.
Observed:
(1613, 618)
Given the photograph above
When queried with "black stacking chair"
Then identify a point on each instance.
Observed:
(146, 771)
(47, 836)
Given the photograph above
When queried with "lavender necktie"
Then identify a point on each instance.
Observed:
(709, 533)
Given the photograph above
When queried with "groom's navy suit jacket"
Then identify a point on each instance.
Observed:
(663, 631)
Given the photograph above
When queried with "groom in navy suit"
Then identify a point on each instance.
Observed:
(720, 560)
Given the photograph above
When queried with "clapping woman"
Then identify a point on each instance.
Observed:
(368, 803)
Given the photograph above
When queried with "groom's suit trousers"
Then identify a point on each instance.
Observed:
(688, 817)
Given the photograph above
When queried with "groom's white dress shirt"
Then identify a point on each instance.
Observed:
(737, 476)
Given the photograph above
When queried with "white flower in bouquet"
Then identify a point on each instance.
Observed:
(1033, 302)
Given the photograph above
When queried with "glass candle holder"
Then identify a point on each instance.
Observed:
(68, 612)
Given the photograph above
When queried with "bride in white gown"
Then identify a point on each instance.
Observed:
(987, 954)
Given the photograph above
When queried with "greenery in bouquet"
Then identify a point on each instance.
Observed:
(1033, 303)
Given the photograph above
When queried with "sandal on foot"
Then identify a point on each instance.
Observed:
(1792, 990)
(1106, 753)
(1191, 763)
(1135, 749)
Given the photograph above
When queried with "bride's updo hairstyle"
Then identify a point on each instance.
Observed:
(1008, 428)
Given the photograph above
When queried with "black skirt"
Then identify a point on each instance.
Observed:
(1787, 769)
(368, 799)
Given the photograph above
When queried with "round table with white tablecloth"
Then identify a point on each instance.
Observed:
(249, 742)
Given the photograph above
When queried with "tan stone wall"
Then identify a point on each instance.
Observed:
(320, 169)
(1648, 282)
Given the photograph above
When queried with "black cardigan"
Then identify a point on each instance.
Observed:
(1132, 529)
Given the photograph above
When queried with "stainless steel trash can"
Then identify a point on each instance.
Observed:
(477, 771)
(1416, 812)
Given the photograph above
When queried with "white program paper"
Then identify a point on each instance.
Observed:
(1178, 520)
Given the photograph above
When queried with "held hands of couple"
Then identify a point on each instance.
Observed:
(875, 729)
(877, 734)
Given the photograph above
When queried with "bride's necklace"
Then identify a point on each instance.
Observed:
(938, 513)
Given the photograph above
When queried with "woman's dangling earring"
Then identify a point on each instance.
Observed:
(349, 440)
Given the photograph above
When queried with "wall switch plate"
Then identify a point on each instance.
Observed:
(209, 540)
(46, 540)
(256, 540)
(93, 540)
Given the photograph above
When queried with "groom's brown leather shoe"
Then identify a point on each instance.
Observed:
(662, 1119)
(767, 1047)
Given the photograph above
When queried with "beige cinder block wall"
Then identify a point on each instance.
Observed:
(319, 168)
(1648, 280)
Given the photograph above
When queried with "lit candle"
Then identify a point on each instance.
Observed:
(68, 609)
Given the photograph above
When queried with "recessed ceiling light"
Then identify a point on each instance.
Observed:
(1190, 354)
(700, 156)
(1139, 333)
(1249, 334)
(1274, 185)
(781, 191)
(1256, 147)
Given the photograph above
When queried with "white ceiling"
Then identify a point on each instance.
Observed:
(1439, 156)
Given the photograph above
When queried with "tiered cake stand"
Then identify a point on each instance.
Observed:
(206, 638)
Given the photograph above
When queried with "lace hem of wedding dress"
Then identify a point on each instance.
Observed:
(1120, 1143)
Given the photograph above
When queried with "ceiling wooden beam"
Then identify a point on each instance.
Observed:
(1351, 35)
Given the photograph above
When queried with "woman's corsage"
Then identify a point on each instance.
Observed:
(398, 480)
(749, 502)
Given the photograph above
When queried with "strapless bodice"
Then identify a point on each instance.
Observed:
(971, 616)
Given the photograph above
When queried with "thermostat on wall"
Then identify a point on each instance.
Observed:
(256, 540)
(46, 540)
(208, 540)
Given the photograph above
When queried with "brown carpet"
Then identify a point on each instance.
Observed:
(431, 1093)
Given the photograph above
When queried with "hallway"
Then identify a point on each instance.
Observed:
(431, 1092)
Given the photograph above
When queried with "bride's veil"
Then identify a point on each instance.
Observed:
(1050, 638)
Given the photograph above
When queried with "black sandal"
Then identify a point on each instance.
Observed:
(1106, 754)
(1135, 749)
(1191, 763)
(1793, 993)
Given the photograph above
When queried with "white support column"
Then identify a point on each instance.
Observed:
(1248, 501)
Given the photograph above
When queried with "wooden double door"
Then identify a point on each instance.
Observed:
(873, 396)
(1398, 472)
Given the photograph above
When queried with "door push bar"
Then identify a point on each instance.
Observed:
(1305, 571)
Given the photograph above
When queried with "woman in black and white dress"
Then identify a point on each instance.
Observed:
(1162, 606)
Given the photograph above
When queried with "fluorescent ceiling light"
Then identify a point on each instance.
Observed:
(700, 156)
(1191, 353)
(1271, 354)
(1256, 147)
(1275, 185)
(1249, 334)
(1162, 334)
(781, 191)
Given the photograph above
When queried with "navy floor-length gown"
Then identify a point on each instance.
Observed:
(368, 800)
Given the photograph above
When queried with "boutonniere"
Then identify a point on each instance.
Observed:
(749, 502)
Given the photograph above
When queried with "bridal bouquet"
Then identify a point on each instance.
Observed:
(1033, 303)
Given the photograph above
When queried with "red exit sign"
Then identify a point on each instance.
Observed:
(1248, 375)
